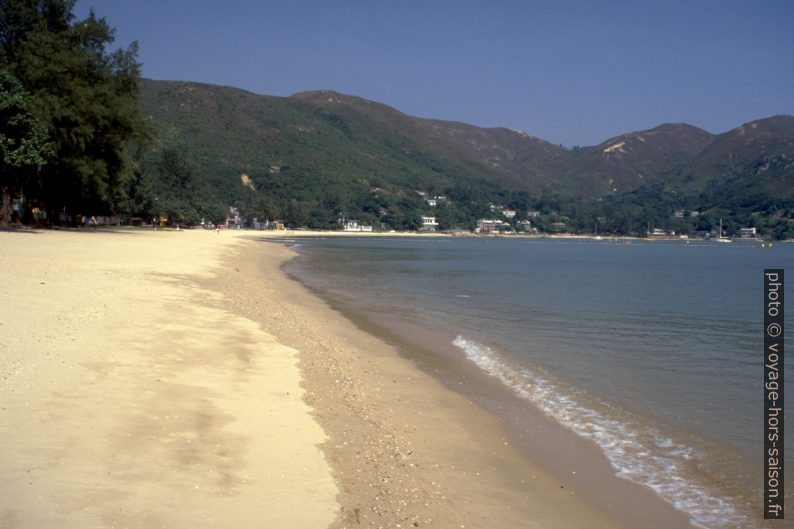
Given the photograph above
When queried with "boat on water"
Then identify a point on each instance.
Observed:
(596, 236)
(720, 238)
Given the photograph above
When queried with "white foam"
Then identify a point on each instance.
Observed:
(640, 454)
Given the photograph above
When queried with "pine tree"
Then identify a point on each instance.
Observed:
(23, 143)
(84, 95)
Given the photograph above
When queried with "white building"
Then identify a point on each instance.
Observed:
(487, 226)
(509, 213)
(353, 225)
(429, 223)
(234, 220)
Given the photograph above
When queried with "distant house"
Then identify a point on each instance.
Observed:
(435, 200)
(559, 225)
(657, 232)
(533, 214)
(487, 226)
(353, 225)
(679, 213)
(234, 220)
(429, 224)
(747, 233)
(509, 213)
(694, 213)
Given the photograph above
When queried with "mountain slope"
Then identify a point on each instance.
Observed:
(757, 157)
(315, 156)
(628, 161)
(312, 145)
(513, 154)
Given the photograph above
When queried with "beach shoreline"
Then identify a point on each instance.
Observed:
(577, 464)
(405, 449)
(399, 447)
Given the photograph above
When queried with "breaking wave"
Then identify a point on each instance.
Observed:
(639, 453)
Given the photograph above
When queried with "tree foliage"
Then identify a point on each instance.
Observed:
(83, 95)
(23, 142)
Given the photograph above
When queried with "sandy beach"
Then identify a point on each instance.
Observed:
(180, 379)
(132, 397)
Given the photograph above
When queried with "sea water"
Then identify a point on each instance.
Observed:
(653, 351)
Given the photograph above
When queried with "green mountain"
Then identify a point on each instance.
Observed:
(757, 157)
(314, 157)
(510, 156)
(631, 160)
(332, 154)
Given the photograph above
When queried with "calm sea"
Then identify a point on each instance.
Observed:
(651, 350)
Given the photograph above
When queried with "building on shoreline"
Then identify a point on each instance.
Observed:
(493, 227)
(353, 225)
(429, 224)
(234, 220)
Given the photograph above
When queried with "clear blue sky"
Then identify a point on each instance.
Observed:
(571, 72)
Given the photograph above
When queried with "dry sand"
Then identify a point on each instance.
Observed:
(165, 380)
(132, 398)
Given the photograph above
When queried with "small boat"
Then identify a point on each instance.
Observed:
(720, 238)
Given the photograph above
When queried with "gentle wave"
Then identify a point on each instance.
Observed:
(640, 454)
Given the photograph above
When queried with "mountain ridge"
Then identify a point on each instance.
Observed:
(341, 155)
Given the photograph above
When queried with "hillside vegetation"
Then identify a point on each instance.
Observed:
(315, 157)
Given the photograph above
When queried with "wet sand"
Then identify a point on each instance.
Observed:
(406, 449)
